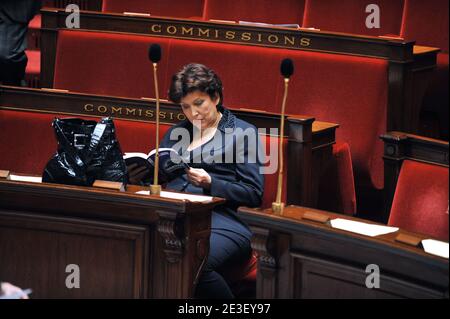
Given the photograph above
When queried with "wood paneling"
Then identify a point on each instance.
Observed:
(299, 258)
(126, 245)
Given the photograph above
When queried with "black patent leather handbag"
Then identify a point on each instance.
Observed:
(87, 151)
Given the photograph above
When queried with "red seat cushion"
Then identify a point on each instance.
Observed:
(421, 199)
(35, 23)
(173, 8)
(350, 16)
(34, 63)
(266, 11)
(108, 64)
(242, 277)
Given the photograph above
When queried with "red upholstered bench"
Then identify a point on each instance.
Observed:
(266, 11)
(421, 199)
(350, 16)
(176, 8)
(27, 141)
(108, 64)
(351, 91)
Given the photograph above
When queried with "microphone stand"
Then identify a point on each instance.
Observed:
(155, 189)
(278, 206)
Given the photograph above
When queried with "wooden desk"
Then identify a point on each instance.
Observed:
(410, 67)
(309, 142)
(126, 245)
(306, 259)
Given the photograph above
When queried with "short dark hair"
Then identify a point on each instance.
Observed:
(195, 77)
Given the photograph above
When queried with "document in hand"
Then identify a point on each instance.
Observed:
(171, 164)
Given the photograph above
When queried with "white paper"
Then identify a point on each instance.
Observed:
(172, 195)
(362, 228)
(138, 14)
(435, 247)
(19, 178)
(261, 24)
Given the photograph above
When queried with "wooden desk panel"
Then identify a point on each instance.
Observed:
(126, 245)
(112, 257)
(305, 259)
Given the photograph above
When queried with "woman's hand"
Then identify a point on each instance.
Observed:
(136, 173)
(199, 177)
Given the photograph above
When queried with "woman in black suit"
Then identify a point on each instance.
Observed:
(222, 152)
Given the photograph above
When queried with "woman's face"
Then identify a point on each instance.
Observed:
(200, 109)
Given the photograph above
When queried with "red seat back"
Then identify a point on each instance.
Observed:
(173, 8)
(426, 22)
(271, 178)
(266, 11)
(108, 64)
(421, 199)
(350, 16)
(249, 74)
(348, 90)
(337, 186)
(27, 141)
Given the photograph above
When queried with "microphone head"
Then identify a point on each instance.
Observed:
(154, 53)
(287, 68)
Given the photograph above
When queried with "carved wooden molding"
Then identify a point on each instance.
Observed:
(173, 243)
(261, 244)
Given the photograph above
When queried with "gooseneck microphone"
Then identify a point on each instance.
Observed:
(154, 54)
(287, 69)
